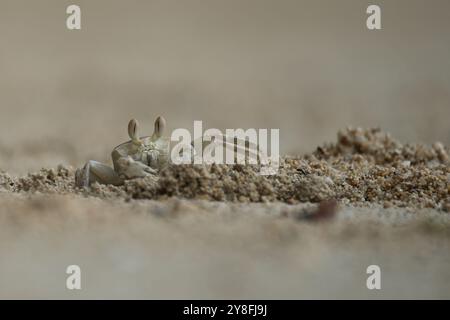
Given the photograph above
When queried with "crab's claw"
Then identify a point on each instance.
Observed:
(160, 124)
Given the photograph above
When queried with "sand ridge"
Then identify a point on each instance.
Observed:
(362, 167)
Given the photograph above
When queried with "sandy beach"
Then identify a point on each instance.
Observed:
(364, 175)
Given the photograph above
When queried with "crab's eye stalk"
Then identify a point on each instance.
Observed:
(160, 124)
(133, 130)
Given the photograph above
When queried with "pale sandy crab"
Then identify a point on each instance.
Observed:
(139, 157)
(144, 156)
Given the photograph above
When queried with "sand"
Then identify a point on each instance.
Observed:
(227, 232)
(363, 167)
(341, 201)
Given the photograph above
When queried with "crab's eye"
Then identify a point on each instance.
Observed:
(133, 129)
(160, 124)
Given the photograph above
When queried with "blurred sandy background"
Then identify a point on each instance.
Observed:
(214, 250)
(306, 67)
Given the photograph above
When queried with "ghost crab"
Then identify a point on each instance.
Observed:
(136, 158)
(145, 156)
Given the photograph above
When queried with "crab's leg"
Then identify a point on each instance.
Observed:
(269, 165)
(95, 171)
(242, 146)
(253, 152)
(255, 155)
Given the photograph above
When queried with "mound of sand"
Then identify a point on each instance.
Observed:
(363, 167)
